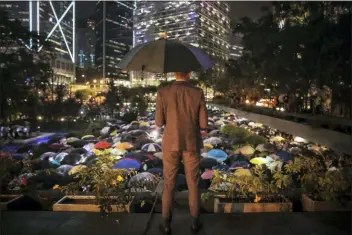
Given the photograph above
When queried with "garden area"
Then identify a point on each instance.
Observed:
(116, 166)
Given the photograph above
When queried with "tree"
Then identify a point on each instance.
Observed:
(20, 68)
(83, 95)
(306, 51)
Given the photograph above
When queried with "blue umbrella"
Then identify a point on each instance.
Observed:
(59, 157)
(45, 156)
(156, 171)
(127, 163)
(165, 56)
(284, 155)
(64, 169)
(217, 154)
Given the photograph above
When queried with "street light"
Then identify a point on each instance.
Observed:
(95, 80)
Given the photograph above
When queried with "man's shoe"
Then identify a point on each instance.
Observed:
(164, 227)
(196, 226)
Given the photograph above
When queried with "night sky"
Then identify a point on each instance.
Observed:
(238, 9)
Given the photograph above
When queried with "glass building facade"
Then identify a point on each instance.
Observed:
(203, 24)
(55, 19)
(114, 38)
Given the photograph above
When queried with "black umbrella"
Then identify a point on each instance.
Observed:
(165, 56)
(71, 159)
(208, 163)
(78, 151)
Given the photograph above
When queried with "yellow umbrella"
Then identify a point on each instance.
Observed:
(243, 172)
(247, 150)
(87, 136)
(113, 133)
(99, 152)
(259, 161)
(220, 122)
(124, 146)
(276, 139)
(76, 169)
(209, 146)
(144, 124)
(134, 122)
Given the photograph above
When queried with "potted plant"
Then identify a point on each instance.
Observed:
(243, 191)
(7, 166)
(106, 186)
(323, 189)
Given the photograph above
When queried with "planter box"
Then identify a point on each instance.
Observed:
(309, 204)
(87, 204)
(7, 200)
(221, 206)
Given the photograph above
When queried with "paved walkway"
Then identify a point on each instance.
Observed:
(85, 223)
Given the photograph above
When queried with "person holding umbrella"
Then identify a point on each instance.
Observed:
(181, 108)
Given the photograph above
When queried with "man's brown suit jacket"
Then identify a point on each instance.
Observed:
(181, 108)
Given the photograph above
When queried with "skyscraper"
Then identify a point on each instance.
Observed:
(86, 45)
(57, 20)
(114, 38)
(201, 23)
(236, 48)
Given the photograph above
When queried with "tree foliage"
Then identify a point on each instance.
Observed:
(297, 46)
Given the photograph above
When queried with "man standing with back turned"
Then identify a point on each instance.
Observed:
(181, 108)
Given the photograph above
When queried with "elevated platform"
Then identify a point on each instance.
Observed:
(72, 223)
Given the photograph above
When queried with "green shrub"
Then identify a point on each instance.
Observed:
(233, 131)
(255, 140)
(129, 117)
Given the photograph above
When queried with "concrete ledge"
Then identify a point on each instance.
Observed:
(337, 141)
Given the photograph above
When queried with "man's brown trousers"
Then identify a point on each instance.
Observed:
(191, 161)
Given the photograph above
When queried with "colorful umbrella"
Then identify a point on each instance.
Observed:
(124, 146)
(151, 147)
(259, 161)
(102, 145)
(207, 174)
(76, 169)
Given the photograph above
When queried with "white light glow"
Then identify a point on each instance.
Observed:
(62, 32)
(74, 30)
(38, 18)
(30, 22)
(58, 22)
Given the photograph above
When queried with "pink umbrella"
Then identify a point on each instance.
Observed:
(207, 175)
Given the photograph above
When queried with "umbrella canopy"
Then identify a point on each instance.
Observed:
(124, 146)
(127, 164)
(156, 171)
(88, 137)
(64, 169)
(208, 163)
(76, 169)
(102, 145)
(152, 147)
(213, 141)
(207, 175)
(165, 56)
(89, 147)
(217, 154)
(71, 139)
(45, 156)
